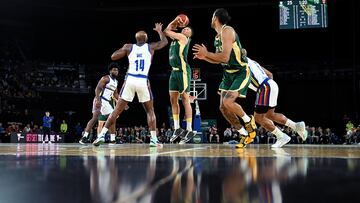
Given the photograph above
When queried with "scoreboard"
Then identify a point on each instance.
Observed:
(298, 14)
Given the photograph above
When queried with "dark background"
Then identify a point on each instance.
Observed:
(317, 69)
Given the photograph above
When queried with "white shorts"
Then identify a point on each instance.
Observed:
(141, 88)
(267, 94)
(106, 107)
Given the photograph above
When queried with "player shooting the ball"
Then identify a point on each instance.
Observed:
(179, 82)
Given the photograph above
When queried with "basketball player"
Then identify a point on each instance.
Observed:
(266, 100)
(236, 77)
(179, 82)
(140, 57)
(103, 104)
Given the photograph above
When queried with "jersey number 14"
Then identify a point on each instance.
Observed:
(140, 64)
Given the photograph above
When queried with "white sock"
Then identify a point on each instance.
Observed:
(290, 124)
(85, 134)
(242, 131)
(277, 132)
(112, 137)
(246, 118)
(103, 132)
(153, 135)
(188, 124)
(176, 121)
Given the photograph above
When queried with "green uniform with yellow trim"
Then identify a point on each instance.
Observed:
(180, 75)
(237, 74)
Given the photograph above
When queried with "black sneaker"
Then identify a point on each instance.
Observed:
(176, 134)
(189, 135)
(84, 140)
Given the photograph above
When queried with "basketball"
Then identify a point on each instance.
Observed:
(184, 19)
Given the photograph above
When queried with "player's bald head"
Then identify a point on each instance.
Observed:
(141, 37)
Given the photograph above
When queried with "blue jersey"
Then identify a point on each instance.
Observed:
(47, 120)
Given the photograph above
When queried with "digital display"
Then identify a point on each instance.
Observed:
(195, 75)
(299, 14)
(34, 138)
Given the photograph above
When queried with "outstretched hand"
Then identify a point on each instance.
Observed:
(158, 27)
(175, 23)
(200, 51)
(179, 20)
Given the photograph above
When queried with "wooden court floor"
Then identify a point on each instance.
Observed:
(211, 173)
(187, 150)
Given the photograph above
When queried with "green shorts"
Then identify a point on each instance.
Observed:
(237, 81)
(180, 81)
(103, 117)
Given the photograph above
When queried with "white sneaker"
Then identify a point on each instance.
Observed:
(300, 129)
(281, 141)
(155, 143)
(99, 141)
(50, 142)
(43, 142)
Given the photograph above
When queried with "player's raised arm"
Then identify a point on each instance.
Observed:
(174, 35)
(120, 53)
(163, 40)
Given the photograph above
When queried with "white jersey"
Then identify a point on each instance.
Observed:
(136, 81)
(266, 89)
(139, 63)
(109, 89)
(257, 73)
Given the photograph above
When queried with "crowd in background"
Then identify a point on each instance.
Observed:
(141, 134)
(21, 85)
(20, 80)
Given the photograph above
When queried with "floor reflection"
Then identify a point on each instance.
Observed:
(245, 178)
(109, 178)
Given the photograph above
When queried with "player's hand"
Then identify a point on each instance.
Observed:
(98, 103)
(200, 51)
(158, 27)
(175, 23)
(179, 20)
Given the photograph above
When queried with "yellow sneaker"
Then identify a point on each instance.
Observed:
(248, 140)
(242, 143)
(251, 128)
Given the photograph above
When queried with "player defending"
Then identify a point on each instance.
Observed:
(179, 82)
(236, 77)
(103, 104)
(266, 100)
(140, 57)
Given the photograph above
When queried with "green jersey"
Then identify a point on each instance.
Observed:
(178, 55)
(236, 60)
